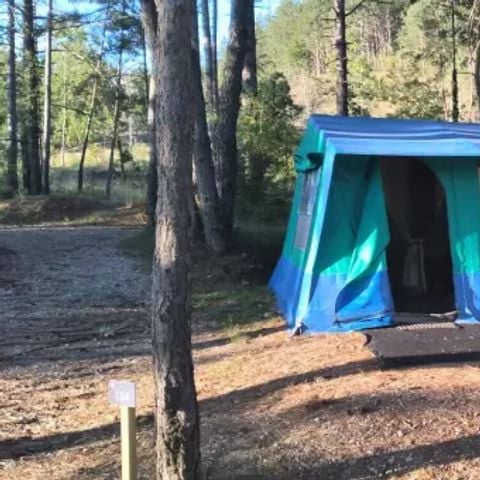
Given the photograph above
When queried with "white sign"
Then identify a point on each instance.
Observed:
(122, 393)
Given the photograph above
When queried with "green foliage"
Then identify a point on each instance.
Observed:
(400, 56)
(267, 137)
(412, 95)
(86, 49)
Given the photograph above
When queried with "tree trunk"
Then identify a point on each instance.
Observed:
(177, 422)
(214, 51)
(146, 77)
(203, 162)
(93, 104)
(12, 149)
(152, 180)
(149, 21)
(342, 59)
(121, 153)
(31, 127)
(116, 119)
(476, 72)
(455, 103)
(86, 135)
(207, 52)
(249, 73)
(64, 119)
(47, 103)
(226, 167)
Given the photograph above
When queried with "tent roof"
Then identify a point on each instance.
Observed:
(393, 137)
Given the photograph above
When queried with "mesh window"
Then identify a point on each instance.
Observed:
(305, 210)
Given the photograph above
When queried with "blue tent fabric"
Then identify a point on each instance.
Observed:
(335, 278)
(393, 137)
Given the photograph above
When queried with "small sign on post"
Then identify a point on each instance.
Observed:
(123, 394)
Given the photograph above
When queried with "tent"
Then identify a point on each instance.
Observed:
(385, 219)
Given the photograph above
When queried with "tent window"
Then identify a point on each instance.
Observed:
(308, 193)
(305, 210)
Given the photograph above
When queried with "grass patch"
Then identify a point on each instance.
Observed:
(69, 210)
(141, 246)
(229, 291)
(263, 241)
(132, 189)
(234, 306)
(98, 157)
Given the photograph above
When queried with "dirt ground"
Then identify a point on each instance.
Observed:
(74, 315)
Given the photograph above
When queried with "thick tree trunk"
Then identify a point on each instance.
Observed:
(207, 52)
(177, 422)
(226, 167)
(149, 21)
(12, 149)
(249, 73)
(342, 59)
(93, 104)
(203, 162)
(47, 103)
(31, 127)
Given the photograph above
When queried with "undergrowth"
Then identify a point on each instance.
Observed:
(229, 291)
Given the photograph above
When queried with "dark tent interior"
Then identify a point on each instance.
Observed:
(418, 257)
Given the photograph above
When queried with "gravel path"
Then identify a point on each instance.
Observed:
(67, 285)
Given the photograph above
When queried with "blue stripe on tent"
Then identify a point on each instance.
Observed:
(370, 299)
(466, 299)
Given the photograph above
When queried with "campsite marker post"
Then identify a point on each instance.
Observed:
(123, 394)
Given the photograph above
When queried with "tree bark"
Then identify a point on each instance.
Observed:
(93, 104)
(215, 50)
(122, 154)
(342, 58)
(152, 180)
(226, 167)
(249, 73)
(31, 128)
(47, 103)
(177, 422)
(12, 149)
(207, 52)
(203, 162)
(149, 21)
(476, 72)
(86, 136)
(455, 103)
(146, 76)
(64, 115)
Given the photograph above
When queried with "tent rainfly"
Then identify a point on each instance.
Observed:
(385, 219)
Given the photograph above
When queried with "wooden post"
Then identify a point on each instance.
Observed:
(128, 427)
(123, 394)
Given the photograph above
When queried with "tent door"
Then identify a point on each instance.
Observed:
(418, 256)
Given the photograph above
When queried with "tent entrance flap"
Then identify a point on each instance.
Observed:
(419, 256)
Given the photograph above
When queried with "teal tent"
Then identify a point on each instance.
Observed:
(385, 218)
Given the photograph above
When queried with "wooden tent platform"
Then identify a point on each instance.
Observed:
(423, 339)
